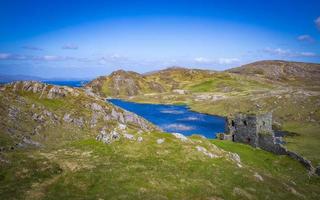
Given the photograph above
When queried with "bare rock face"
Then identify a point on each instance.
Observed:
(45, 90)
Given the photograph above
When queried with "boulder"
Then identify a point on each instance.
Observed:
(180, 137)
(160, 141)
(108, 138)
(67, 118)
(96, 107)
(140, 139)
(128, 136)
(206, 152)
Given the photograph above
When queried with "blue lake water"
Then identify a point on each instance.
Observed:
(79, 83)
(176, 118)
(73, 83)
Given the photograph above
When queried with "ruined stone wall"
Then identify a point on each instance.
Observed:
(264, 122)
(267, 143)
(244, 129)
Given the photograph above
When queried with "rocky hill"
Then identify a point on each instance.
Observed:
(281, 70)
(127, 83)
(38, 114)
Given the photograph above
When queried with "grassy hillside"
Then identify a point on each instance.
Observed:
(127, 169)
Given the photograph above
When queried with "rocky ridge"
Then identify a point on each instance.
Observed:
(31, 110)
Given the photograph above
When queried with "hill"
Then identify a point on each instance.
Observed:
(127, 83)
(281, 70)
(68, 143)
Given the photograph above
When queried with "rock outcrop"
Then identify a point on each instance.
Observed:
(32, 111)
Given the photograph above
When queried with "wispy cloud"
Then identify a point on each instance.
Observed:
(277, 51)
(19, 57)
(4, 56)
(221, 61)
(70, 46)
(228, 60)
(202, 60)
(33, 48)
(317, 22)
(288, 53)
(306, 38)
(112, 58)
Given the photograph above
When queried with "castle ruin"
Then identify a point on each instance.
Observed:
(256, 130)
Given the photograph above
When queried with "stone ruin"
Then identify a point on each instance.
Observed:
(256, 130)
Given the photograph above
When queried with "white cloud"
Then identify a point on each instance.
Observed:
(305, 38)
(228, 60)
(288, 53)
(4, 56)
(17, 57)
(51, 58)
(202, 60)
(222, 61)
(113, 59)
(70, 46)
(30, 47)
(317, 22)
(308, 54)
(278, 51)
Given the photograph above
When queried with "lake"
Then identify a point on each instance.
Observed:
(70, 83)
(175, 118)
(76, 83)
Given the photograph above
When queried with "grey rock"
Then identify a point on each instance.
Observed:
(180, 137)
(206, 152)
(56, 92)
(96, 107)
(128, 136)
(38, 118)
(13, 112)
(160, 141)
(79, 122)
(67, 118)
(122, 126)
(27, 142)
(108, 138)
(258, 177)
(139, 139)
(94, 119)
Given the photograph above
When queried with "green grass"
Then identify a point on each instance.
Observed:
(23, 170)
(49, 103)
(87, 169)
(306, 142)
(228, 82)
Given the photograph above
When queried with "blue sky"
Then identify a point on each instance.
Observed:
(78, 38)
